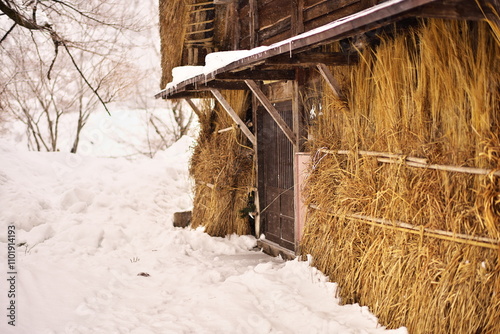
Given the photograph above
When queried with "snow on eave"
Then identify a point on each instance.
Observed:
(329, 31)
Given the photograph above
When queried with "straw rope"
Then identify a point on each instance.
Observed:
(419, 230)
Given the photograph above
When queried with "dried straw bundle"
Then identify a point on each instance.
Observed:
(173, 16)
(432, 93)
(222, 166)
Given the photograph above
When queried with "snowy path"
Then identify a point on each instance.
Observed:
(87, 228)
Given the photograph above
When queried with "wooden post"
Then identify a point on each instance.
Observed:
(253, 23)
(272, 111)
(235, 25)
(234, 115)
(299, 119)
(299, 129)
(258, 229)
(182, 219)
(297, 17)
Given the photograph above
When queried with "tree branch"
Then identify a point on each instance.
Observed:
(76, 10)
(56, 52)
(84, 78)
(8, 32)
(20, 19)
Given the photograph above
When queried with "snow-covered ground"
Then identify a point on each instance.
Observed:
(96, 252)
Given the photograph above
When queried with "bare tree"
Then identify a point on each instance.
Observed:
(41, 84)
(177, 123)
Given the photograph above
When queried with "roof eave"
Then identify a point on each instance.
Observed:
(368, 19)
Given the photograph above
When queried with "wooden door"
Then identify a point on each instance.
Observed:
(276, 182)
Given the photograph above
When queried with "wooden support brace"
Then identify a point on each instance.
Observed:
(234, 116)
(272, 111)
(330, 80)
(194, 107)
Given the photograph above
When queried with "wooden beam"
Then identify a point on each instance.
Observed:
(273, 249)
(272, 111)
(258, 75)
(194, 107)
(217, 84)
(185, 95)
(234, 116)
(330, 80)
(313, 58)
(253, 23)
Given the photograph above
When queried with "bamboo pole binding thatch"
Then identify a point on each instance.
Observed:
(410, 228)
(449, 168)
(394, 158)
(375, 154)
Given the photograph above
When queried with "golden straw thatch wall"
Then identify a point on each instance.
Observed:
(173, 17)
(431, 93)
(222, 167)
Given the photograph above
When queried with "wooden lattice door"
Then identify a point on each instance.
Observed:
(276, 182)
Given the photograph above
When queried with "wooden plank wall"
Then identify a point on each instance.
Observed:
(263, 22)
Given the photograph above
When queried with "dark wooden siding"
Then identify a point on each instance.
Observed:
(278, 19)
(323, 12)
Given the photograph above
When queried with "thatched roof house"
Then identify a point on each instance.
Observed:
(365, 133)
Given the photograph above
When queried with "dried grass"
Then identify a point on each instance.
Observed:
(432, 93)
(173, 16)
(222, 166)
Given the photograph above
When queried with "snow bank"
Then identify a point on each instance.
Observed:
(97, 253)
